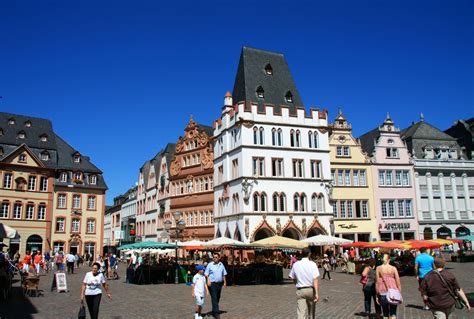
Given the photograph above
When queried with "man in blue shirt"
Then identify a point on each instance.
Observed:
(424, 263)
(215, 273)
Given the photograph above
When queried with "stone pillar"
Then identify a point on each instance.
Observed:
(418, 197)
(429, 185)
(443, 195)
(455, 196)
(467, 199)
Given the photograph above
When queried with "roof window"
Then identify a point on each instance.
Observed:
(44, 138)
(28, 123)
(289, 97)
(21, 135)
(268, 69)
(77, 157)
(260, 92)
(11, 121)
(44, 156)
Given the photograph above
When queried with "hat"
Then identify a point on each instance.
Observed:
(200, 267)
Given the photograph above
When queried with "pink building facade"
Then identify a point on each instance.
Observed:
(394, 189)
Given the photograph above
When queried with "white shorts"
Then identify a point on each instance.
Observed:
(199, 300)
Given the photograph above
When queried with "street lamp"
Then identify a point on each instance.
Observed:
(180, 225)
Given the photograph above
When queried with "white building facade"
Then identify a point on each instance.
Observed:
(271, 163)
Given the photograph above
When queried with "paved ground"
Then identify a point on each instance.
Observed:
(342, 298)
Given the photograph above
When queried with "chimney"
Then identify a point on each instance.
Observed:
(227, 102)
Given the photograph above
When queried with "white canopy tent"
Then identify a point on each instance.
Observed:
(321, 240)
(222, 241)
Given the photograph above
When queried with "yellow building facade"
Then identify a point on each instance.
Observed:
(353, 193)
(49, 192)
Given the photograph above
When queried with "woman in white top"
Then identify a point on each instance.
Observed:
(91, 290)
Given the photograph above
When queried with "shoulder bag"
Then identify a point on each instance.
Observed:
(394, 296)
(82, 312)
(459, 302)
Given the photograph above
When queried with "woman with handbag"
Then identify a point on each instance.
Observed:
(368, 287)
(92, 291)
(388, 288)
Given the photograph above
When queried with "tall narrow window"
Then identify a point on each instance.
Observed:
(260, 92)
(314, 203)
(32, 183)
(255, 202)
(5, 210)
(275, 202)
(261, 131)
(303, 202)
(76, 201)
(60, 223)
(90, 226)
(282, 202)
(75, 225)
(263, 202)
(315, 140)
(61, 201)
(310, 139)
(274, 137)
(41, 212)
(321, 203)
(7, 180)
(44, 184)
(296, 202)
(91, 202)
(289, 97)
(255, 135)
(280, 137)
(30, 211)
(298, 138)
(292, 138)
(268, 69)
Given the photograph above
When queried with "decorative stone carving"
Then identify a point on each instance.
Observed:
(278, 226)
(180, 145)
(290, 215)
(323, 130)
(175, 167)
(203, 139)
(303, 229)
(207, 160)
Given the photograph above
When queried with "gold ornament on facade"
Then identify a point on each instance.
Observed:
(175, 167)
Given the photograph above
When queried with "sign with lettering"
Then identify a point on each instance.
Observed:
(59, 282)
(397, 226)
(350, 226)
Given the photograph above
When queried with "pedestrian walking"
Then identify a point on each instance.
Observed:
(91, 290)
(70, 259)
(27, 261)
(215, 274)
(438, 289)
(58, 260)
(305, 274)
(47, 260)
(368, 288)
(326, 267)
(199, 290)
(424, 263)
(38, 261)
(387, 279)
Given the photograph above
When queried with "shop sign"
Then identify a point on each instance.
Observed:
(350, 226)
(397, 226)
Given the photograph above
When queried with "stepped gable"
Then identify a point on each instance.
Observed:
(269, 72)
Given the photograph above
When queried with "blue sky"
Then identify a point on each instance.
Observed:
(119, 79)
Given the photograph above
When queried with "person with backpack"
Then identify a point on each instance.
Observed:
(368, 287)
(440, 289)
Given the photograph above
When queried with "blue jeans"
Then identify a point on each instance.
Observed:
(216, 288)
(369, 295)
(388, 310)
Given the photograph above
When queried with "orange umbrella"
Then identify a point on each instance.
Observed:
(417, 244)
(394, 244)
(356, 244)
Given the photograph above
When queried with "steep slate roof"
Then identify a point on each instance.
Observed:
(206, 129)
(423, 130)
(60, 152)
(251, 74)
(169, 151)
(368, 140)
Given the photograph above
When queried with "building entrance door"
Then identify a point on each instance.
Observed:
(74, 248)
(34, 243)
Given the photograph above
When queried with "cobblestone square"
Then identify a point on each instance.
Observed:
(340, 298)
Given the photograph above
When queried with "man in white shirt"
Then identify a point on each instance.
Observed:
(305, 274)
(70, 258)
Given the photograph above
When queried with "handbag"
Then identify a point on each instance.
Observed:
(458, 301)
(82, 312)
(394, 296)
(364, 280)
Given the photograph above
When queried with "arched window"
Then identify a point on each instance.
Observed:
(292, 138)
(274, 137)
(263, 202)
(303, 202)
(280, 137)
(289, 97)
(268, 69)
(282, 202)
(255, 202)
(310, 139)
(316, 140)
(260, 92)
(298, 138)
(255, 135)
(296, 202)
(321, 203)
(314, 205)
(275, 202)
(261, 135)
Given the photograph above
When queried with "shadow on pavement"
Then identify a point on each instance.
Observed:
(17, 306)
(415, 306)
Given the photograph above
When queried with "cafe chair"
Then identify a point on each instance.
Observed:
(30, 285)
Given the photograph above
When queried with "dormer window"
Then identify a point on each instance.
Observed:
(21, 135)
(392, 152)
(93, 179)
(390, 141)
(260, 92)
(22, 158)
(77, 158)
(44, 138)
(63, 177)
(268, 69)
(289, 97)
(28, 123)
(45, 156)
(11, 121)
(77, 176)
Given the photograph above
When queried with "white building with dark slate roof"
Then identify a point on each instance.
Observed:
(50, 192)
(444, 181)
(271, 156)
